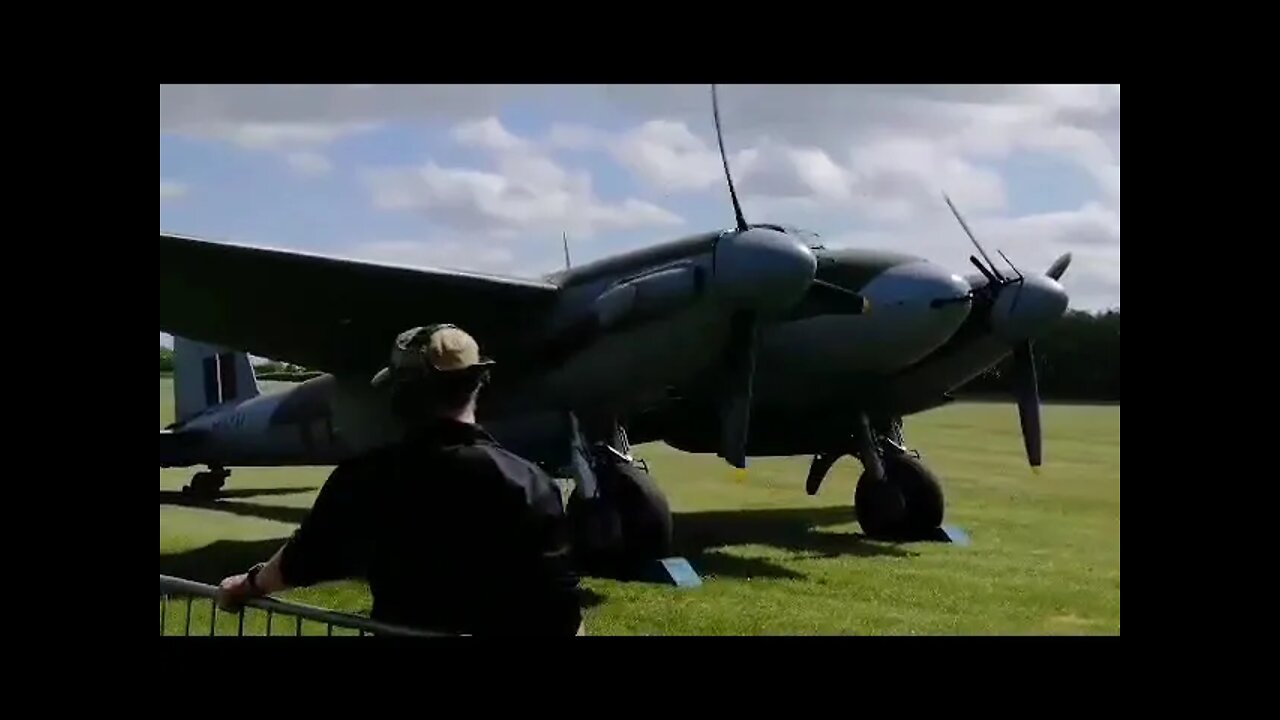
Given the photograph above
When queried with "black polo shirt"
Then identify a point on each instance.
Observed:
(452, 531)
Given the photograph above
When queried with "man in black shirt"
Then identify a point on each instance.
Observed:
(453, 532)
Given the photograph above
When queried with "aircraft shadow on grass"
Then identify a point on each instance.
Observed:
(174, 497)
(278, 513)
(217, 560)
(700, 537)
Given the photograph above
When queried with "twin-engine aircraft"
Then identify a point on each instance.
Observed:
(743, 342)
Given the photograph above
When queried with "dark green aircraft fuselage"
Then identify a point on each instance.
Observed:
(623, 327)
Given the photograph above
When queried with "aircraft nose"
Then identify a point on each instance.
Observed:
(1026, 310)
(763, 269)
(946, 289)
(915, 307)
(919, 284)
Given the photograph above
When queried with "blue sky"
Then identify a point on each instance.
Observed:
(488, 178)
(244, 195)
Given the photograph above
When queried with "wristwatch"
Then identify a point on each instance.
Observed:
(252, 577)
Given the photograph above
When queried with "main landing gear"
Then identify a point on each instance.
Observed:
(906, 505)
(622, 522)
(206, 485)
(897, 497)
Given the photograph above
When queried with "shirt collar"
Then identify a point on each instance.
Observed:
(448, 430)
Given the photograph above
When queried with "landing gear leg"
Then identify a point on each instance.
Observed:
(206, 485)
(623, 524)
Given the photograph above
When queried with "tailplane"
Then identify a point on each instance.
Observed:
(206, 376)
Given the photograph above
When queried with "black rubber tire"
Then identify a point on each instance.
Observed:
(628, 526)
(643, 512)
(914, 486)
(205, 485)
(879, 506)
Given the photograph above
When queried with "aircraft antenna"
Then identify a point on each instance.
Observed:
(737, 208)
(565, 238)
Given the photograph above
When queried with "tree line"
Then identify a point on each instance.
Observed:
(1078, 360)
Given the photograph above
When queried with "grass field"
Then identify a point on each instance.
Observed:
(1044, 558)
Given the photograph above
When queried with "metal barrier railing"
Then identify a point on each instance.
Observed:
(326, 620)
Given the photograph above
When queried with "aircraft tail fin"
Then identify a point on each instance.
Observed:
(205, 376)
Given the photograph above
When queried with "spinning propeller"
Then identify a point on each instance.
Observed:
(1045, 298)
(724, 159)
(763, 271)
(740, 355)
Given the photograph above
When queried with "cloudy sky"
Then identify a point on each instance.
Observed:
(488, 177)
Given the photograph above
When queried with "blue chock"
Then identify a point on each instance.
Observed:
(672, 571)
(953, 535)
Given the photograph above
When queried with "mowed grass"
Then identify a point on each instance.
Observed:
(1044, 558)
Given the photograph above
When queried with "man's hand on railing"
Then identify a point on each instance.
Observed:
(233, 591)
(262, 579)
(178, 587)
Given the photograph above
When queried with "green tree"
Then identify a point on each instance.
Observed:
(1079, 359)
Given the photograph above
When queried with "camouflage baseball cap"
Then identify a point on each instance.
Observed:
(432, 349)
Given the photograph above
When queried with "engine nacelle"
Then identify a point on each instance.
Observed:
(648, 297)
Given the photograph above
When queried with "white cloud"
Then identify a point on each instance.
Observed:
(299, 144)
(170, 189)
(915, 173)
(1109, 178)
(667, 155)
(244, 117)
(476, 256)
(1091, 233)
(958, 122)
(568, 136)
(280, 136)
(488, 134)
(527, 192)
(853, 162)
(307, 162)
(183, 106)
(888, 178)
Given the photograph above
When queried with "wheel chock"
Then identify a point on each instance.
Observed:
(950, 534)
(671, 571)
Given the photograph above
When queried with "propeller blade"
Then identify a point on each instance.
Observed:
(737, 208)
(1017, 294)
(985, 272)
(1010, 262)
(1059, 266)
(740, 362)
(969, 232)
(1028, 393)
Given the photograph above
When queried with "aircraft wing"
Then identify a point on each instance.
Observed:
(331, 314)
